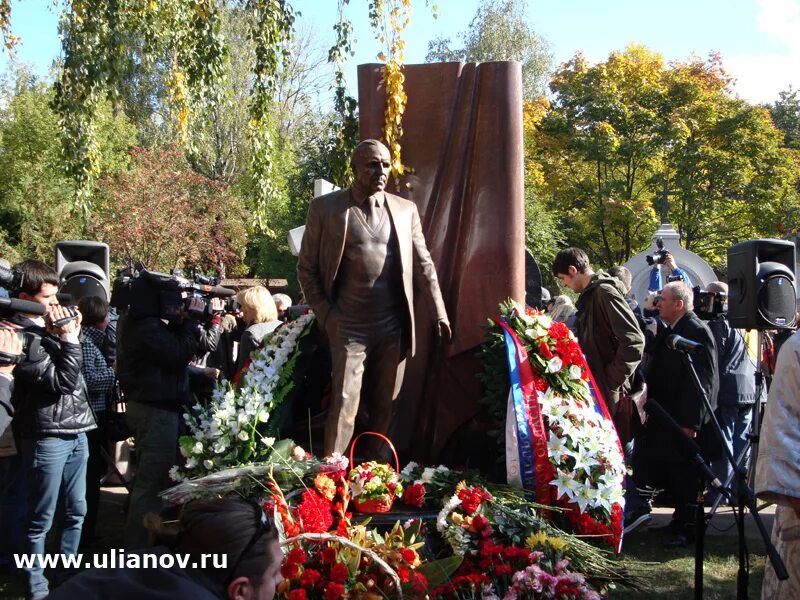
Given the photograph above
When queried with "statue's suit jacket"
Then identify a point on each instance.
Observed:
(323, 245)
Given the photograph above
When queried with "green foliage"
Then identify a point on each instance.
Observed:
(500, 31)
(786, 117)
(95, 57)
(36, 195)
(619, 130)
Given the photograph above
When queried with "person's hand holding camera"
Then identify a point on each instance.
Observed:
(217, 305)
(669, 262)
(11, 345)
(72, 327)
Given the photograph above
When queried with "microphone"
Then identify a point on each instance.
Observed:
(681, 344)
(23, 306)
(655, 410)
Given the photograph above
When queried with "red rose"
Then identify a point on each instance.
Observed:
(544, 350)
(409, 555)
(339, 573)
(414, 495)
(334, 591)
(298, 595)
(479, 523)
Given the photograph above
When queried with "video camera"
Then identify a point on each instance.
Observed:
(142, 293)
(11, 280)
(709, 305)
(659, 256)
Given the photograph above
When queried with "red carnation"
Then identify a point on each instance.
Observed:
(334, 591)
(298, 595)
(296, 556)
(309, 577)
(328, 555)
(339, 573)
(404, 574)
(419, 584)
(290, 570)
(544, 350)
(315, 512)
(558, 330)
(414, 495)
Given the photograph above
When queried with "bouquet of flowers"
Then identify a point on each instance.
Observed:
(237, 426)
(585, 468)
(509, 552)
(374, 486)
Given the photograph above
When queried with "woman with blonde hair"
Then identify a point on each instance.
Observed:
(261, 316)
(563, 310)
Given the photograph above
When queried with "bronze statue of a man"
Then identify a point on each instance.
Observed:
(362, 255)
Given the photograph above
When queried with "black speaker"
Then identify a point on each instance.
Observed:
(83, 268)
(761, 284)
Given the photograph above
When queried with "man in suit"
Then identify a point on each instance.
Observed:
(669, 383)
(362, 255)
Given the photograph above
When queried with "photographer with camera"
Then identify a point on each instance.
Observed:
(153, 356)
(737, 377)
(52, 416)
(662, 256)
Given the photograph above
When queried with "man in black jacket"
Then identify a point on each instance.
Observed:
(153, 357)
(52, 416)
(669, 383)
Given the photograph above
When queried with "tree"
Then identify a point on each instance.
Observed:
(786, 116)
(599, 149)
(164, 215)
(36, 195)
(500, 31)
(618, 131)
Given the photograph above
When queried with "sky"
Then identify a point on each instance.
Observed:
(759, 40)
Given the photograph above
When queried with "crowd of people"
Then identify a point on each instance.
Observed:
(56, 402)
(58, 397)
(627, 345)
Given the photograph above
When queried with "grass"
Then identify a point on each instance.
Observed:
(670, 573)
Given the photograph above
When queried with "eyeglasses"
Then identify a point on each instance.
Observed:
(263, 526)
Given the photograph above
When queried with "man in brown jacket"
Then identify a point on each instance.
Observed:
(608, 332)
(362, 255)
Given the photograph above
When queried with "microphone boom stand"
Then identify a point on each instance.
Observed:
(745, 497)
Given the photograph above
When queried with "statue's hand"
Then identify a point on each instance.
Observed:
(443, 327)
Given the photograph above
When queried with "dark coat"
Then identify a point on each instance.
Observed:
(6, 408)
(50, 395)
(152, 360)
(669, 383)
(323, 246)
(609, 336)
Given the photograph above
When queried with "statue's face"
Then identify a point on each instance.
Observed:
(371, 169)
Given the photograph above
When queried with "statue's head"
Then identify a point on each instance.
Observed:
(370, 163)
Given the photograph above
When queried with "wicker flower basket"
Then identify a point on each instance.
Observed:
(384, 503)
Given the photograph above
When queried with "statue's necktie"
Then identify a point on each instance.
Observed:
(374, 215)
